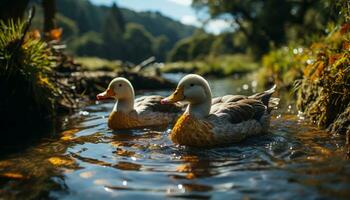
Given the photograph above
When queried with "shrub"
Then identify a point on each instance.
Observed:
(284, 65)
(325, 89)
(28, 94)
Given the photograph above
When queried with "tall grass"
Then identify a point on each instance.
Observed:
(28, 94)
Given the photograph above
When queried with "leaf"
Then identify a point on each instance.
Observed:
(345, 28)
(346, 45)
(333, 58)
(55, 34)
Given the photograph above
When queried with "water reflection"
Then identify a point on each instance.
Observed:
(88, 161)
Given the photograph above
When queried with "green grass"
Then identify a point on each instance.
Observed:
(217, 66)
(284, 65)
(95, 63)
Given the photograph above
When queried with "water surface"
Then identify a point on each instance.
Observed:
(89, 161)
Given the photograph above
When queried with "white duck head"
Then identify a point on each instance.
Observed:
(195, 90)
(121, 90)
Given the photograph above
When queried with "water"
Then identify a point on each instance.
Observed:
(88, 161)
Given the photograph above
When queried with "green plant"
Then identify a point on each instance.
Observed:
(325, 90)
(28, 92)
(223, 65)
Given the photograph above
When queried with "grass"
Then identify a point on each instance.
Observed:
(95, 64)
(224, 65)
(320, 73)
(28, 94)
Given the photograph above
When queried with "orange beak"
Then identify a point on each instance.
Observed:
(109, 93)
(178, 95)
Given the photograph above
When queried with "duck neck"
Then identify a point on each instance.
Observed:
(201, 109)
(125, 105)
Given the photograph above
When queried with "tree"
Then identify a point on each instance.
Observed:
(119, 17)
(10, 9)
(49, 8)
(161, 46)
(112, 32)
(89, 44)
(200, 46)
(139, 43)
(180, 50)
(264, 21)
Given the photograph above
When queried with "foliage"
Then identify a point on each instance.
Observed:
(94, 63)
(28, 93)
(284, 65)
(263, 24)
(88, 44)
(139, 43)
(201, 45)
(325, 89)
(112, 34)
(111, 24)
(69, 26)
(180, 50)
(223, 65)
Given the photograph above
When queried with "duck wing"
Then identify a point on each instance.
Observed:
(227, 98)
(264, 97)
(239, 111)
(152, 104)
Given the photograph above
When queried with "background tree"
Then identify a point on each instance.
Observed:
(266, 22)
(139, 43)
(112, 33)
(49, 7)
(12, 9)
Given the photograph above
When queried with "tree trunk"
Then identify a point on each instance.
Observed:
(10, 9)
(49, 7)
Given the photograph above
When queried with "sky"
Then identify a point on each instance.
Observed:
(179, 10)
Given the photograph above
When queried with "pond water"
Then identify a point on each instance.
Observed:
(89, 161)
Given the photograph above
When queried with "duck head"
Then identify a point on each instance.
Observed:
(121, 90)
(193, 89)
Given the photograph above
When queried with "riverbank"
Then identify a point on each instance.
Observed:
(319, 74)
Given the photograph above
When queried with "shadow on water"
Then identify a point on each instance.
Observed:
(89, 161)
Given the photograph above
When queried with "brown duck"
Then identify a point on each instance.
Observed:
(222, 120)
(143, 112)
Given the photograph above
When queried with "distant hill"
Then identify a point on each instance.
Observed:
(83, 22)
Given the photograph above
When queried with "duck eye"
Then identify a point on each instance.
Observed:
(191, 84)
(120, 85)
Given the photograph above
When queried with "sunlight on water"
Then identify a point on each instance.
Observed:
(89, 161)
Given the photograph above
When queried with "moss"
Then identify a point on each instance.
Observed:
(324, 94)
(320, 74)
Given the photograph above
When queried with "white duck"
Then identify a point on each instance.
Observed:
(222, 120)
(142, 112)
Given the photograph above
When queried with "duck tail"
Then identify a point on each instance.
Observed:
(265, 97)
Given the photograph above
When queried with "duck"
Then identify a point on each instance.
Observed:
(221, 120)
(129, 113)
